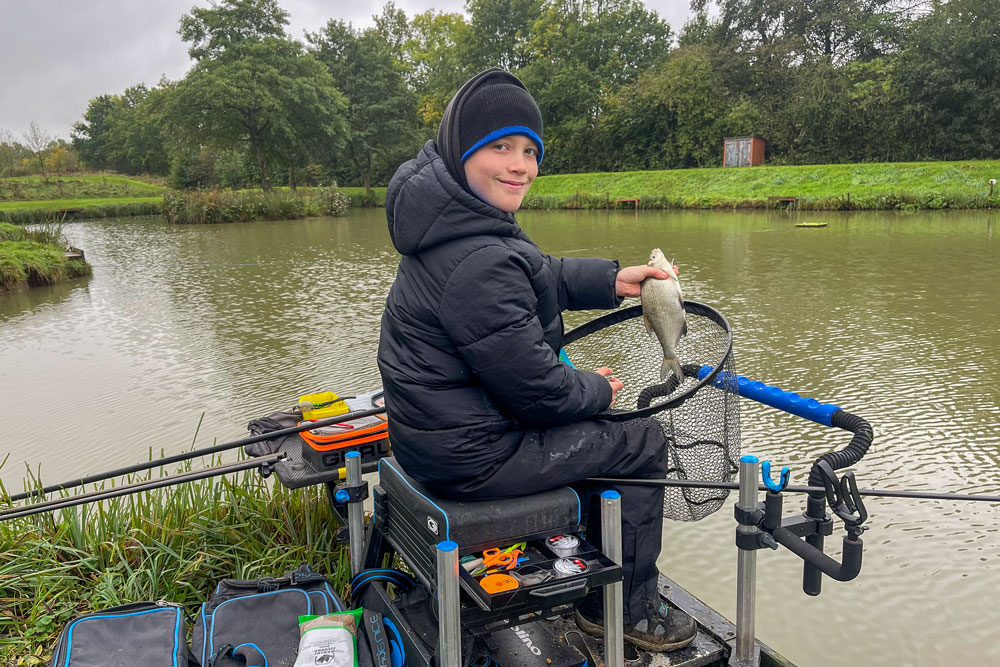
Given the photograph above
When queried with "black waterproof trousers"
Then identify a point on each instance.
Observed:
(566, 455)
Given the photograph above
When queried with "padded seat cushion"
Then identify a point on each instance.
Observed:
(472, 523)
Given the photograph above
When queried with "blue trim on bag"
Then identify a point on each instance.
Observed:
(330, 593)
(255, 647)
(204, 630)
(447, 527)
(69, 632)
(211, 635)
(355, 585)
(506, 132)
(400, 655)
(579, 508)
(396, 573)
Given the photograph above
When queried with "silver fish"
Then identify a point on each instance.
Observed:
(663, 312)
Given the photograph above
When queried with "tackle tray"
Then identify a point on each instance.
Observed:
(549, 588)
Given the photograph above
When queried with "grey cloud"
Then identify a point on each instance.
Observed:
(56, 55)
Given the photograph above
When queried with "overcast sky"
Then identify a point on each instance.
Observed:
(56, 55)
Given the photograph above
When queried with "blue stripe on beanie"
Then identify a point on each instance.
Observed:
(506, 132)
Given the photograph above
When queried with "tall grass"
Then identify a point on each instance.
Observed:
(35, 257)
(172, 544)
(41, 211)
(217, 206)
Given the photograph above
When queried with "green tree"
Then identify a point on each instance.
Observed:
(674, 115)
(949, 78)
(583, 52)
(499, 33)
(437, 68)
(837, 30)
(381, 112)
(251, 85)
(90, 136)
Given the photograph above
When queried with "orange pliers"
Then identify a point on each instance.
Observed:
(501, 559)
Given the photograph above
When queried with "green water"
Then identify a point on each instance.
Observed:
(892, 317)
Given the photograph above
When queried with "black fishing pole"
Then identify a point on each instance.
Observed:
(62, 503)
(139, 467)
(695, 484)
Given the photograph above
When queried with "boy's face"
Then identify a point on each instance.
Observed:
(501, 172)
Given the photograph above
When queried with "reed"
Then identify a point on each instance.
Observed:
(173, 544)
(215, 206)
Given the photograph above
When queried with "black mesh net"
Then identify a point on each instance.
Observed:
(699, 416)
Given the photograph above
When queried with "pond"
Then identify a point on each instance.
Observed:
(893, 317)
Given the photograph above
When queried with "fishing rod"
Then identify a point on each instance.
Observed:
(62, 503)
(139, 467)
(885, 493)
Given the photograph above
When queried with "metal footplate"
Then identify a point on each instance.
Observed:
(712, 645)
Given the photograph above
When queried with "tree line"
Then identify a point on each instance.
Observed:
(820, 81)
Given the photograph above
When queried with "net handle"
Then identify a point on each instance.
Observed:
(618, 316)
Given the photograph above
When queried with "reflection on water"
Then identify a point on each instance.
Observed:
(892, 317)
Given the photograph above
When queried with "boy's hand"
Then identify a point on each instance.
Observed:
(628, 279)
(616, 384)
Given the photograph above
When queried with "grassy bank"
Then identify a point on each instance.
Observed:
(907, 186)
(25, 212)
(888, 186)
(172, 544)
(77, 186)
(35, 257)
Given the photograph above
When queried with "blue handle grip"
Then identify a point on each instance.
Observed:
(807, 408)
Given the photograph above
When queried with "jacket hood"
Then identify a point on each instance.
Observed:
(426, 207)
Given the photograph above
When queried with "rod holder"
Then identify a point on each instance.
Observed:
(745, 653)
(449, 652)
(355, 518)
(614, 612)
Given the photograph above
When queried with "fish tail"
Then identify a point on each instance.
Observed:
(671, 364)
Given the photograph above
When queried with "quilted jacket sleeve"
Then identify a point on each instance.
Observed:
(586, 282)
(489, 311)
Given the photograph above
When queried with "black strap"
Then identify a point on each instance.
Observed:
(378, 641)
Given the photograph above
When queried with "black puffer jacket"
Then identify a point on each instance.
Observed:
(472, 328)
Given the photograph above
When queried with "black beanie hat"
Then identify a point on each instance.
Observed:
(491, 105)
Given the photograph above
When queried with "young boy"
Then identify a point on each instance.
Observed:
(479, 404)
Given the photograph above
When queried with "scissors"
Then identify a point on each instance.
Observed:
(501, 559)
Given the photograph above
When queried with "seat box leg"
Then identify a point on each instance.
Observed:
(611, 531)
(449, 653)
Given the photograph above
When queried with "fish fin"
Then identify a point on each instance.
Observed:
(646, 323)
(671, 364)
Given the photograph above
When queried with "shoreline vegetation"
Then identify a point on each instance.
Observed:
(834, 187)
(906, 186)
(214, 206)
(30, 257)
(172, 544)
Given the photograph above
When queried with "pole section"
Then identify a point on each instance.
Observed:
(614, 613)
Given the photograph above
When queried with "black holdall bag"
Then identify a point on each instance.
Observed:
(150, 634)
(255, 622)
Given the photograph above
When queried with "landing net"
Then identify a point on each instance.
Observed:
(701, 421)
